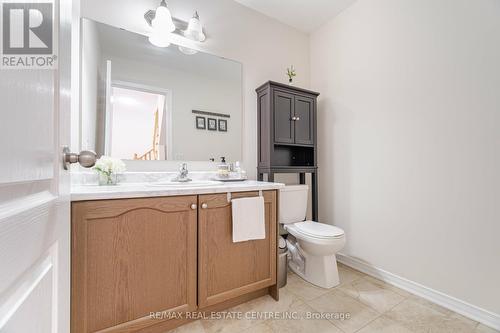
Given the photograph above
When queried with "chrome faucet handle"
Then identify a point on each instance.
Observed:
(183, 168)
(183, 172)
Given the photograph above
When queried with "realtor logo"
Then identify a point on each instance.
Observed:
(28, 35)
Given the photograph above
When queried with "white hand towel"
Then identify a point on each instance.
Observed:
(248, 219)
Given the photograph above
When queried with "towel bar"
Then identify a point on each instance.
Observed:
(229, 195)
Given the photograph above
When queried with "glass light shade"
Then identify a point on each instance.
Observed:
(194, 30)
(160, 39)
(187, 50)
(163, 19)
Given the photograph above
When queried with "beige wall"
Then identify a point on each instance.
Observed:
(264, 47)
(409, 139)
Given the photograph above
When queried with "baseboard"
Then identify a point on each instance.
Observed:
(468, 310)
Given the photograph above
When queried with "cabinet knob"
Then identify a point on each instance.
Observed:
(194, 206)
(297, 118)
(294, 118)
(204, 206)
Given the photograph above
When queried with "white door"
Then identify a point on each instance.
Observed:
(34, 193)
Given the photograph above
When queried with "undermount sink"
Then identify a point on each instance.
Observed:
(198, 183)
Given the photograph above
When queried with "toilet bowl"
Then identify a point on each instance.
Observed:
(313, 245)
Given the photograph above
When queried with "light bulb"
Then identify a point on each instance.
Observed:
(163, 19)
(195, 29)
(159, 39)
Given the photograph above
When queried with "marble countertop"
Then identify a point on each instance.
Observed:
(82, 192)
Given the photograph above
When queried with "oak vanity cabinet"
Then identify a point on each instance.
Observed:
(226, 269)
(131, 257)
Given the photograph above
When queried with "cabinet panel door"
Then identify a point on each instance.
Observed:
(131, 257)
(304, 125)
(226, 269)
(283, 113)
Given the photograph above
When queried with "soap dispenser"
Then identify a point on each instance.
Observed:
(223, 168)
(240, 174)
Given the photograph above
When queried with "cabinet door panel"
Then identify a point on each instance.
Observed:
(304, 125)
(131, 257)
(226, 269)
(283, 113)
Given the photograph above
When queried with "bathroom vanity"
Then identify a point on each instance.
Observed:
(144, 249)
(140, 252)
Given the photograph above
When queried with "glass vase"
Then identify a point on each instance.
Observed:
(108, 179)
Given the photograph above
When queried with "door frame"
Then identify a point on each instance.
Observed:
(167, 112)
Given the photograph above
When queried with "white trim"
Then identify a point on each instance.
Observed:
(108, 114)
(466, 309)
(24, 288)
(10, 209)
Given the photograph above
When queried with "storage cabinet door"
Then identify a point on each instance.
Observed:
(131, 257)
(226, 269)
(283, 113)
(304, 123)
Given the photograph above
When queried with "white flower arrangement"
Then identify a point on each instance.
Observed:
(108, 168)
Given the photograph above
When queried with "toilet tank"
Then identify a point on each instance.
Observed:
(293, 203)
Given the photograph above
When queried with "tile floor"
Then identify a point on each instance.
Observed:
(373, 305)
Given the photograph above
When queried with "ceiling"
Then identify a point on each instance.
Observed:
(304, 15)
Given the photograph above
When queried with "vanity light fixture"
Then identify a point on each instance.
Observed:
(159, 39)
(163, 19)
(162, 23)
(194, 30)
(187, 50)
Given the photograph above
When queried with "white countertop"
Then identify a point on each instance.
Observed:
(143, 190)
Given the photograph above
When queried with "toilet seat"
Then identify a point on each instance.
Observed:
(316, 230)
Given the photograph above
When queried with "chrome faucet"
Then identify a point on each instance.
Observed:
(183, 174)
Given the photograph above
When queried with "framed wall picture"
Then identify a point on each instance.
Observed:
(212, 124)
(201, 122)
(222, 125)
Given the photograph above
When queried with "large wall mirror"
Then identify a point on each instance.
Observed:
(142, 102)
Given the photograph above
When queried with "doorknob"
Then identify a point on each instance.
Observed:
(86, 158)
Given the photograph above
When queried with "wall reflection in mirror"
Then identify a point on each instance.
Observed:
(142, 102)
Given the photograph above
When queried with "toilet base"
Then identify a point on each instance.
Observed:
(321, 271)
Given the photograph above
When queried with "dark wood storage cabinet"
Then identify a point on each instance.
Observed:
(287, 133)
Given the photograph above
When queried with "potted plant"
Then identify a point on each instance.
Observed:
(108, 169)
(290, 72)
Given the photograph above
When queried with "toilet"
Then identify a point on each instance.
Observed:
(313, 245)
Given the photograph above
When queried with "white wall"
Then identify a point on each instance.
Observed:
(409, 139)
(132, 122)
(264, 47)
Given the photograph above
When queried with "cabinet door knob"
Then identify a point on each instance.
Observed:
(194, 206)
(297, 118)
(294, 118)
(204, 206)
